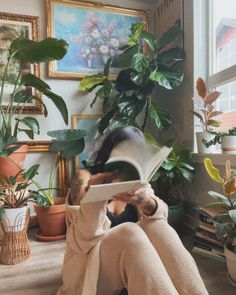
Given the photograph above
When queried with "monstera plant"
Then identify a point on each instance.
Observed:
(144, 64)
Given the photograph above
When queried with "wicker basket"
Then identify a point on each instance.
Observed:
(15, 245)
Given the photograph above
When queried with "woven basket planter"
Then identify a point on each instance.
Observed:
(15, 245)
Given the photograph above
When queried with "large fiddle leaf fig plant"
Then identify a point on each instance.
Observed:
(23, 51)
(144, 64)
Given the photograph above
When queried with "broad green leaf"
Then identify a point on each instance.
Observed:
(171, 55)
(171, 35)
(88, 83)
(28, 132)
(138, 78)
(68, 149)
(30, 122)
(213, 123)
(149, 39)
(46, 50)
(67, 134)
(219, 197)
(125, 58)
(151, 140)
(31, 172)
(232, 214)
(136, 30)
(140, 62)
(188, 175)
(34, 81)
(214, 205)
(212, 171)
(167, 79)
(199, 116)
(161, 116)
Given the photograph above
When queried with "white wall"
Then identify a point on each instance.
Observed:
(77, 103)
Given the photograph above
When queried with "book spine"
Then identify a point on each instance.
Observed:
(208, 254)
(211, 241)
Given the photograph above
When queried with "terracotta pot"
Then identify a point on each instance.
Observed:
(52, 219)
(11, 165)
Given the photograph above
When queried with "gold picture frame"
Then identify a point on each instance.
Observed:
(94, 31)
(11, 27)
(88, 123)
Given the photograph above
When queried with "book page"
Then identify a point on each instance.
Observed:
(103, 192)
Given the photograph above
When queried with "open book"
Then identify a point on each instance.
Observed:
(136, 164)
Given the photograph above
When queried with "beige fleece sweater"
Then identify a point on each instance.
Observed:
(87, 224)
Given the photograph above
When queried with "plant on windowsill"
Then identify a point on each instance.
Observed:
(22, 52)
(228, 141)
(225, 222)
(208, 137)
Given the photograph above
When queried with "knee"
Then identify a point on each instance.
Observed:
(127, 235)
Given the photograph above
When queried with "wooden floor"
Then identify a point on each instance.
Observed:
(40, 274)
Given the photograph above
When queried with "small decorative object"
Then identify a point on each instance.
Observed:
(206, 114)
(14, 215)
(97, 32)
(226, 221)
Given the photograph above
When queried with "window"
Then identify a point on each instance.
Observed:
(222, 52)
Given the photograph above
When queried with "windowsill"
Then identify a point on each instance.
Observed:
(217, 158)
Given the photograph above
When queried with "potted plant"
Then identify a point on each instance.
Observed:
(170, 179)
(50, 210)
(23, 51)
(145, 63)
(14, 214)
(206, 114)
(228, 141)
(225, 222)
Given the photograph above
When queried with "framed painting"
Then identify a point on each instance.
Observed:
(95, 32)
(92, 140)
(39, 153)
(13, 26)
(169, 14)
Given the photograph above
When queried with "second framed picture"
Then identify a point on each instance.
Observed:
(94, 32)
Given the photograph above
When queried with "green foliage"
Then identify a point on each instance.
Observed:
(174, 173)
(13, 192)
(145, 64)
(69, 142)
(22, 52)
(226, 222)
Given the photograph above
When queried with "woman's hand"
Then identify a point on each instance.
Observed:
(83, 179)
(142, 198)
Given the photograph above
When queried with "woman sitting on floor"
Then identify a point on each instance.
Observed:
(141, 252)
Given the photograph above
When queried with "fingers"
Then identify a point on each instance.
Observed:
(105, 177)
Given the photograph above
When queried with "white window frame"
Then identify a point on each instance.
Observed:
(222, 77)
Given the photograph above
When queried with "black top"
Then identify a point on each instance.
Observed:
(128, 215)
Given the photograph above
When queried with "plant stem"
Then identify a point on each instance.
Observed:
(146, 114)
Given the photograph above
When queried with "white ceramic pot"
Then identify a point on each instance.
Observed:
(228, 144)
(231, 264)
(200, 145)
(14, 219)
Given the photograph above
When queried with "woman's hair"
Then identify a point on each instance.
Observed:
(115, 137)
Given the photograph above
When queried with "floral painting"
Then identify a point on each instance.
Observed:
(94, 34)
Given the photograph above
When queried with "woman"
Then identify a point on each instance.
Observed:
(146, 257)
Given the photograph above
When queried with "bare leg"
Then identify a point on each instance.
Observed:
(178, 262)
(128, 259)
